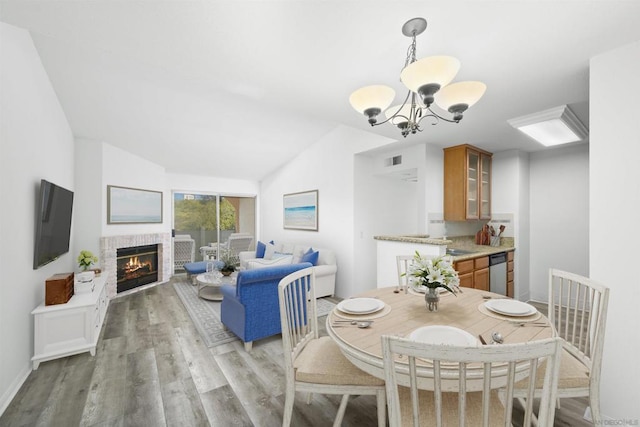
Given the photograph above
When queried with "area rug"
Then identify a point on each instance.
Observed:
(206, 314)
(323, 307)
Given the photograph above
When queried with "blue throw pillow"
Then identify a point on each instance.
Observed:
(260, 248)
(310, 256)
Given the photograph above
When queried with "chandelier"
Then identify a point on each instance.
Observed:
(427, 81)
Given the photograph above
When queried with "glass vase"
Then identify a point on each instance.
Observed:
(432, 298)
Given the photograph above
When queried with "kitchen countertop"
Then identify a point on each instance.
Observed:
(480, 251)
(466, 243)
(414, 238)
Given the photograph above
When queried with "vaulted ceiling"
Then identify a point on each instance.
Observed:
(235, 88)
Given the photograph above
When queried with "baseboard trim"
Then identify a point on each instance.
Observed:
(13, 389)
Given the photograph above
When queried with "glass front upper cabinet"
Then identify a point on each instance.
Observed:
(485, 186)
(473, 167)
(467, 183)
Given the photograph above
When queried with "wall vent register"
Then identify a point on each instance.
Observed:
(393, 161)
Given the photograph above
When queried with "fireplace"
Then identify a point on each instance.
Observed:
(136, 266)
(109, 246)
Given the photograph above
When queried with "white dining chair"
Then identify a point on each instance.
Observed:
(577, 309)
(464, 380)
(315, 364)
(403, 262)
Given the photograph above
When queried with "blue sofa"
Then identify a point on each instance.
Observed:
(250, 308)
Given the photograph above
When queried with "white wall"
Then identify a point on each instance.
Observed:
(522, 229)
(433, 188)
(99, 164)
(510, 196)
(328, 166)
(124, 169)
(383, 205)
(211, 184)
(36, 143)
(89, 201)
(559, 210)
(613, 225)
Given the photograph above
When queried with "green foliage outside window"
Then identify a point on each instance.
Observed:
(196, 214)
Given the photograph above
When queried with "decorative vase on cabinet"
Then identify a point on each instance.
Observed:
(467, 183)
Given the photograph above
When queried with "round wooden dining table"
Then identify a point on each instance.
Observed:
(405, 312)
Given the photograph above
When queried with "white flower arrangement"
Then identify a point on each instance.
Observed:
(432, 273)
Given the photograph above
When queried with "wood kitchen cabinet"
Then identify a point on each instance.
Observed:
(481, 273)
(467, 183)
(465, 272)
(474, 273)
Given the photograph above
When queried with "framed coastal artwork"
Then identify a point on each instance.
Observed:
(301, 210)
(133, 206)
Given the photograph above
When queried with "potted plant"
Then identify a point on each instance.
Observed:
(84, 279)
(86, 259)
(228, 266)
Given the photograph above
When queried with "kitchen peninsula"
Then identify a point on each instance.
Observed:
(388, 247)
(460, 248)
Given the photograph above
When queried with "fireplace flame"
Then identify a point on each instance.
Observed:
(135, 265)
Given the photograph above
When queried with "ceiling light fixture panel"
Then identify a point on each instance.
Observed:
(554, 126)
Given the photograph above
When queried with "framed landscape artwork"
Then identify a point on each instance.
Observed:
(133, 206)
(301, 210)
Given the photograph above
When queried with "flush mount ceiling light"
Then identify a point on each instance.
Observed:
(428, 81)
(555, 126)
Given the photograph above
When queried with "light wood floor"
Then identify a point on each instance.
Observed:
(152, 369)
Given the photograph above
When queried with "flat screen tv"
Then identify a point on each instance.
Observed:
(53, 223)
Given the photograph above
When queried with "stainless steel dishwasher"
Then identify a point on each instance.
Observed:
(498, 273)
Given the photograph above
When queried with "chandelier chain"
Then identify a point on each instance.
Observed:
(411, 53)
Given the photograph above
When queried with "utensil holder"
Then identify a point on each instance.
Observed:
(495, 241)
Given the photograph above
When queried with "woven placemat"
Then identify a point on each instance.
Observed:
(386, 310)
(531, 318)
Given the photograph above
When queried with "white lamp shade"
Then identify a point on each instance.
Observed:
(376, 96)
(460, 93)
(433, 69)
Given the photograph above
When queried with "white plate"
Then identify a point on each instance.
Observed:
(360, 305)
(510, 307)
(442, 334)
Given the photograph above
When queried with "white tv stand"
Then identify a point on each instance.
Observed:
(71, 328)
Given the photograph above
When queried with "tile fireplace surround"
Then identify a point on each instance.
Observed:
(109, 246)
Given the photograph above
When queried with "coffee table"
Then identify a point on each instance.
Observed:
(209, 285)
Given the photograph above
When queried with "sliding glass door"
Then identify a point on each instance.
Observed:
(210, 219)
